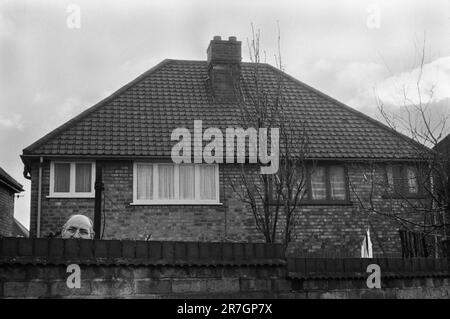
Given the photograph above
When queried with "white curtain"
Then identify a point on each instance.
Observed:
(166, 181)
(62, 177)
(390, 176)
(207, 182)
(412, 180)
(144, 181)
(187, 181)
(83, 177)
(337, 182)
(318, 185)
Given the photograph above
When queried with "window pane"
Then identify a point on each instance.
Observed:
(412, 180)
(337, 182)
(396, 181)
(207, 182)
(390, 176)
(144, 181)
(187, 182)
(166, 181)
(318, 185)
(62, 178)
(83, 177)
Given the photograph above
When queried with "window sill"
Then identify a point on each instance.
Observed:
(405, 196)
(71, 196)
(175, 203)
(323, 203)
(326, 203)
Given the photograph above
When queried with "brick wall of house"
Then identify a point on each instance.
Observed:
(337, 229)
(6, 211)
(54, 211)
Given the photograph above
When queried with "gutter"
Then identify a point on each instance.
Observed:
(15, 189)
(144, 157)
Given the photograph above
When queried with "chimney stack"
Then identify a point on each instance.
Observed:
(224, 67)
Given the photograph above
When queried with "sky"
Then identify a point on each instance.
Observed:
(55, 63)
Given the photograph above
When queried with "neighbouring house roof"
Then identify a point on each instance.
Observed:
(137, 120)
(443, 146)
(19, 230)
(10, 182)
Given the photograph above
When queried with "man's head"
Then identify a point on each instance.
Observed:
(78, 226)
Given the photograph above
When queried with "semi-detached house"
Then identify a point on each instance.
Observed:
(145, 193)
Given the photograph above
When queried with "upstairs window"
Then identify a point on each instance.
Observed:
(328, 183)
(403, 180)
(324, 184)
(318, 184)
(338, 188)
(72, 179)
(182, 184)
(412, 181)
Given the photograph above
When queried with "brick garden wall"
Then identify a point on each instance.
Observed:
(37, 268)
(6, 211)
(335, 229)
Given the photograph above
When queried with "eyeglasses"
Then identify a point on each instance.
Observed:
(82, 231)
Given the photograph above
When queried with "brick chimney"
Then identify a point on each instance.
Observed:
(224, 67)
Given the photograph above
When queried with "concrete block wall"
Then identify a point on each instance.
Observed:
(38, 268)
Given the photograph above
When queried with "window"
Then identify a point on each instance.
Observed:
(72, 179)
(411, 175)
(177, 184)
(337, 183)
(187, 182)
(403, 180)
(318, 184)
(328, 183)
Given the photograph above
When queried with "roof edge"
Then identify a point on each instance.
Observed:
(16, 188)
(356, 112)
(91, 109)
(24, 230)
(10, 181)
(161, 157)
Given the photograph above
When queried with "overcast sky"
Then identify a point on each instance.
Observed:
(50, 71)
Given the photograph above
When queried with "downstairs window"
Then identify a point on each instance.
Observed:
(178, 184)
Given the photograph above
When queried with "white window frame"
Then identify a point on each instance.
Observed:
(176, 201)
(71, 193)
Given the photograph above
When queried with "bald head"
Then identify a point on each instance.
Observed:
(78, 226)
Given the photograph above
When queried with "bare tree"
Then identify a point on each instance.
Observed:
(273, 199)
(428, 176)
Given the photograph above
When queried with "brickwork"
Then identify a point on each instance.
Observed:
(6, 211)
(333, 228)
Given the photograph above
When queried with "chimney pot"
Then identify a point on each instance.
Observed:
(232, 39)
(217, 38)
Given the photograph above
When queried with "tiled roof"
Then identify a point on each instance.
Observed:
(138, 119)
(6, 179)
(443, 146)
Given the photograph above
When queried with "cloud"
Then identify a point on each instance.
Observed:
(68, 109)
(344, 79)
(58, 109)
(14, 121)
(402, 89)
(6, 26)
